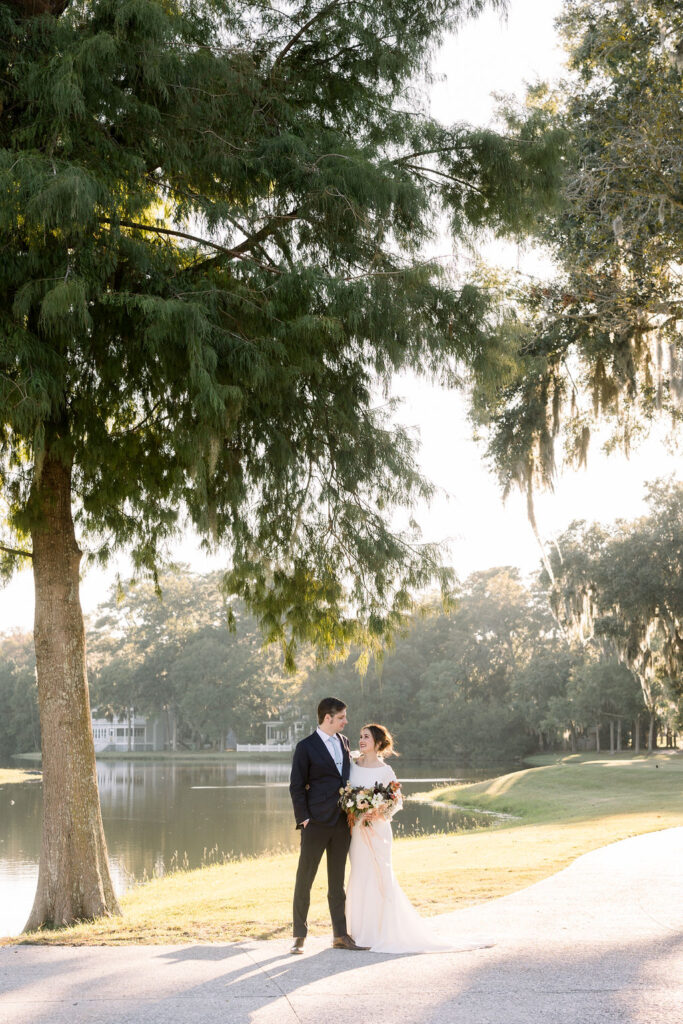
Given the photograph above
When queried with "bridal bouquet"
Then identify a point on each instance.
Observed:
(364, 804)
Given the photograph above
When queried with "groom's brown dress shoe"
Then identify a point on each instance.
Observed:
(346, 942)
(298, 946)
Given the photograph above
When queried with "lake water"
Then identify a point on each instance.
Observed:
(161, 815)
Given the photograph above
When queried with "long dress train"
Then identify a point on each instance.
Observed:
(378, 912)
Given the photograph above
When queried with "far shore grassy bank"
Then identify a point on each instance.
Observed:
(563, 807)
(179, 756)
(578, 788)
(9, 776)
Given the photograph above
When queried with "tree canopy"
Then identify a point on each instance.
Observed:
(177, 654)
(492, 680)
(601, 339)
(624, 586)
(212, 224)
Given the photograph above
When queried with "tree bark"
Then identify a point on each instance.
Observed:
(73, 879)
(611, 736)
(651, 734)
(597, 739)
(619, 736)
(636, 741)
(34, 8)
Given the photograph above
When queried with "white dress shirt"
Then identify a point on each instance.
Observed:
(333, 744)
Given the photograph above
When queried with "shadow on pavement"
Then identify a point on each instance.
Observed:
(637, 982)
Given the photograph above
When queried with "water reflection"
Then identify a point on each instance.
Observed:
(20, 819)
(158, 815)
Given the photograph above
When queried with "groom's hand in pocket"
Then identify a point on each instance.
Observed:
(305, 823)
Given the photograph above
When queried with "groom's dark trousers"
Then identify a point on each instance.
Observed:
(314, 787)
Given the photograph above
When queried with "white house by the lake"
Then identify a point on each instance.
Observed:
(281, 738)
(134, 732)
(279, 733)
(158, 732)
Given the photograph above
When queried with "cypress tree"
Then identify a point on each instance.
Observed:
(212, 220)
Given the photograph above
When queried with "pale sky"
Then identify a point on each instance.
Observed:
(492, 56)
(489, 55)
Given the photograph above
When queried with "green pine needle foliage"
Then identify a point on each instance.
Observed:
(213, 216)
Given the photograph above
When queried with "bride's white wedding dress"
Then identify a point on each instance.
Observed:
(378, 913)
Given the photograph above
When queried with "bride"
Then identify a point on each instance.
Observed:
(378, 913)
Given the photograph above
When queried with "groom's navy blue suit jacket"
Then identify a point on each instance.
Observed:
(315, 781)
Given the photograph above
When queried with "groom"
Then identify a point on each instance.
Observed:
(320, 768)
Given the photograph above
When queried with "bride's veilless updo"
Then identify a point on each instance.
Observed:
(384, 741)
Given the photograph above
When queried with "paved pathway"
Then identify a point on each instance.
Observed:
(598, 943)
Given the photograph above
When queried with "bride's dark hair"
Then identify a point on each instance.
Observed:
(384, 741)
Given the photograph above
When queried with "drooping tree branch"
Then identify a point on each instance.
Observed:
(442, 174)
(16, 551)
(239, 252)
(425, 152)
(304, 28)
(266, 230)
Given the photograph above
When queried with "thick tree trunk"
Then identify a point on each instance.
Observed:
(636, 741)
(597, 739)
(73, 879)
(651, 741)
(619, 736)
(611, 736)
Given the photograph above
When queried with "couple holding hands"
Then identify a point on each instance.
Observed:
(374, 913)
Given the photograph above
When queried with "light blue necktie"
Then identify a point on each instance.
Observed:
(336, 753)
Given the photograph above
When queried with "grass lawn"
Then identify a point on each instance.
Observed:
(565, 806)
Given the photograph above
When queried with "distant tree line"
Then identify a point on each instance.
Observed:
(591, 658)
(19, 720)
(493, 681)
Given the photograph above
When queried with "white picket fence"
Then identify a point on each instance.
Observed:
(264, 748)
